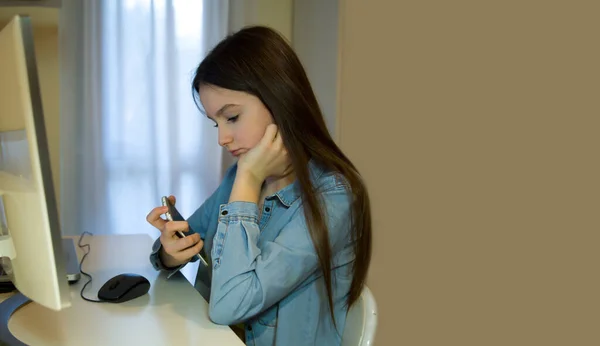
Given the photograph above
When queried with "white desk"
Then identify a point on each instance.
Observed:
(172, 313)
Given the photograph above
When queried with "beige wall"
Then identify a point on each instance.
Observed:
(475, 126)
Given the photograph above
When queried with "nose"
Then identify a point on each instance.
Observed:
(225, 136)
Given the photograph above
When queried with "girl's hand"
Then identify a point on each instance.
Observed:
(175, 251)
(268, 158)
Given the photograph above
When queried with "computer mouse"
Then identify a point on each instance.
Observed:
(124, 287)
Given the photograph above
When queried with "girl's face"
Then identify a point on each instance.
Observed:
(240, 117)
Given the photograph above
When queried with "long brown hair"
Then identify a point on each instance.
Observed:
(259, 61)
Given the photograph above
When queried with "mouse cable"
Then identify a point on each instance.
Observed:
(87, 247)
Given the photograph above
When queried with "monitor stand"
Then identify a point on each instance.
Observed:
(7, 308)
(18, 300)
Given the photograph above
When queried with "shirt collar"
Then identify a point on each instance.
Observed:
(289, 194)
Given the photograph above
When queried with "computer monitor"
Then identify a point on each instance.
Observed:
(31, 236)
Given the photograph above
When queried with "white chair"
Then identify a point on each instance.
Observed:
(361, 321)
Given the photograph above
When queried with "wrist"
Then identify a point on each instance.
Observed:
(167, 260)
(246, 188)
(249, 178)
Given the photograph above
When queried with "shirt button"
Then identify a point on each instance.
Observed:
(249, 327)
(224, 212)
(267, 209)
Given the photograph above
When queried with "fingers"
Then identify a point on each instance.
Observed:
(273, 137)
(277, 146)
(192, 251)
(154, 218)
(172, 227)
(182, 249)
(270, 134)
(181, 244)
(278, 143)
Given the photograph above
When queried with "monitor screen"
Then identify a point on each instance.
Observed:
(31, 237)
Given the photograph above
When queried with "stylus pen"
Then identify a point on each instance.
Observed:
(201, 259)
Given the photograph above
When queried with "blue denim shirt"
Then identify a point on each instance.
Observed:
(264, 270)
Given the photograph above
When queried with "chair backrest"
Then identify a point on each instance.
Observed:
(361, 321)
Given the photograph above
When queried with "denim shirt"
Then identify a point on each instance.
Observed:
(263, 269)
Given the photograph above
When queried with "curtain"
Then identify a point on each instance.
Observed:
(130, 131)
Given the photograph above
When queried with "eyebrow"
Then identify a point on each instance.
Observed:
(223, 109)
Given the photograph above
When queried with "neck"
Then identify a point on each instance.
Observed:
(274, 184)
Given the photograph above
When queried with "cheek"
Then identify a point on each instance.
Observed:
(255, 137)
(250, 136)
(252, 130)
(246, 137)
(258, 131)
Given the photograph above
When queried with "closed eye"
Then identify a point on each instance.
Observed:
(233, 119)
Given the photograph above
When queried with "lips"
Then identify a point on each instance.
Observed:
(236, 152)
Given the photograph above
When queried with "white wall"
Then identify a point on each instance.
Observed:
(315, 39)
(276, 14)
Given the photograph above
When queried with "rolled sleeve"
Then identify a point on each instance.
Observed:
(234, 215)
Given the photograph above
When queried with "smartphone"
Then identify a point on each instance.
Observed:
(173, 215)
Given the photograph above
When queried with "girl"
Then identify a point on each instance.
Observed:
(288, 232)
